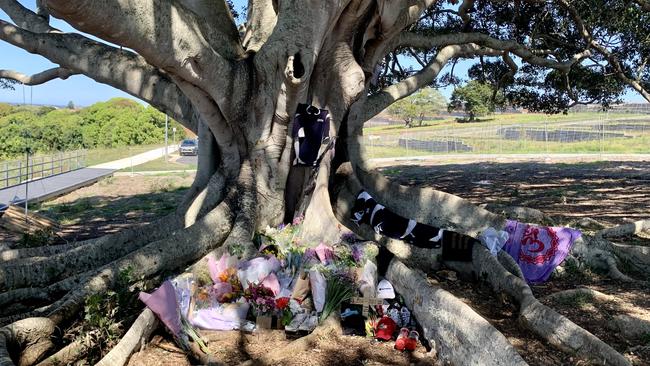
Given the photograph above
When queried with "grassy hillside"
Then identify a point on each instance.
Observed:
(119, 122)
(515, 134)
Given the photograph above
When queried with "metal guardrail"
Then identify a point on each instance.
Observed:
(16, 172)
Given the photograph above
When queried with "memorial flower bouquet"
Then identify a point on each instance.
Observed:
(261, 299)
(341, 287)
(284, 312)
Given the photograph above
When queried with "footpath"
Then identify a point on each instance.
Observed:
(41, 189)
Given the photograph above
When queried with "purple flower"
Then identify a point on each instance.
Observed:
(357, 253)
(325, 253)
(349, 237)
(309, 254)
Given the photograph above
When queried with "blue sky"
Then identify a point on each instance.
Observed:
(84, 91)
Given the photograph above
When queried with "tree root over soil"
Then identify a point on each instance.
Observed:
(540, 319)
(459, 334)
(135, 337)
(631, 323)
(171, 250)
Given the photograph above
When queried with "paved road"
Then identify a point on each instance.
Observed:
(136, 159)
(56, 185)
(443, 158)
(190, 160)
(52, 186)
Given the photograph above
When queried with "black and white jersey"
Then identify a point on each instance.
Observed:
(455, 246)
(311, 126)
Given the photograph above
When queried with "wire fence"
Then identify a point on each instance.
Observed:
(605, 133)
(15, 172)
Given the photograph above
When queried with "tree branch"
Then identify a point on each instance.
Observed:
(217, 25)
(391, 19)
(530, 56)
(165, 33)
(408, 86)
(262, 17)
(463, 11)
(508, 76)
(36, 79)
(105, 64)
(611, 58)
(25, 18)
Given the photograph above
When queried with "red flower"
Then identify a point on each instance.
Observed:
(282, 303)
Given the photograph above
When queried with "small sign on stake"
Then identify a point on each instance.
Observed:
(366, 303)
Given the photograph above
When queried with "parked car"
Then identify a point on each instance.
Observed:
(188, 147)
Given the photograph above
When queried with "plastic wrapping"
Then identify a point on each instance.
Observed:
(223, 317)
(257, 269)
(163, 303)
(318, 288)
(494, 240)
(368, 279)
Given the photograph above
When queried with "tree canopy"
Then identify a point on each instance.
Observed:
(7, 83)
(476, 99)
(114, 123)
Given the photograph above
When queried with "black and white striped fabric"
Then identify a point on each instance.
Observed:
(311, 126)
(455, 246)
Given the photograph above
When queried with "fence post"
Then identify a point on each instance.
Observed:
(27, 184)
(546, 135)
(602, 139)
(407, 144)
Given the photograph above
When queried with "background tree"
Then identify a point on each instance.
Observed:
(70, 105)
(7, 83)
(426, 101)
(114, 123)
(475, 99)
(239, 92)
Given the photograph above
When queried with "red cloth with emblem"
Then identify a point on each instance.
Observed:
(538, 249)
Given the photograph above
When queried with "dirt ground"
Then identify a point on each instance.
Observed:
(592, 314)
(232, 348)
(108, 206)
(612, 192)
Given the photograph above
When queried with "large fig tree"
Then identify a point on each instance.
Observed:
(238, 88)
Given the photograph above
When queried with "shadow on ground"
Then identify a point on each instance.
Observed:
(610, 192)
(90, 217)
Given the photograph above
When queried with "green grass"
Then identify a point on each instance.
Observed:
(483, 137)
(639, 145)
(161, 165)
(498, 120)
(104, 155)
